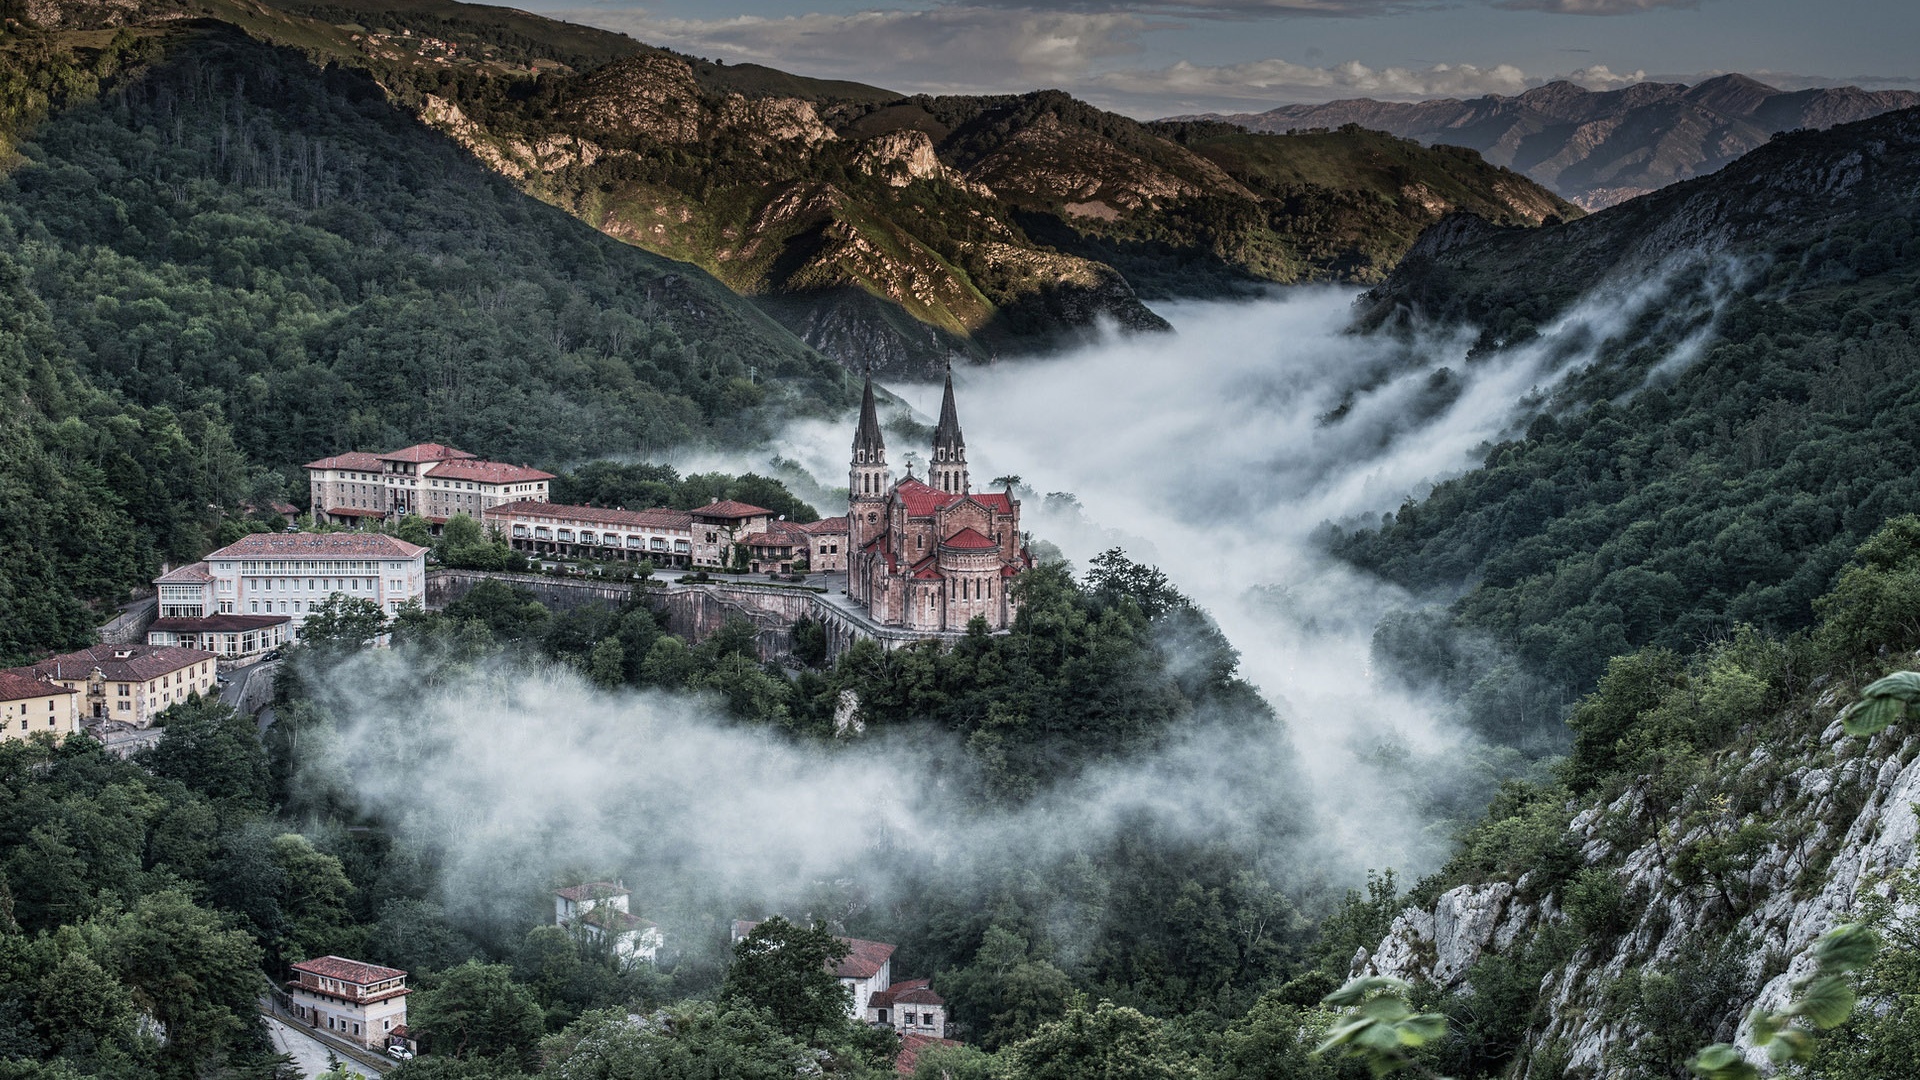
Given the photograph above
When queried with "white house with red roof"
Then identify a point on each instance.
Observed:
(429, 479)
(254, 594)
(598, 910)
(363, 1002)
(929, 555)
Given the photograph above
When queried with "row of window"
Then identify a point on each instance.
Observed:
(298, 566)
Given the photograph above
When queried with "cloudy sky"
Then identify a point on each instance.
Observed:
(1153, 58)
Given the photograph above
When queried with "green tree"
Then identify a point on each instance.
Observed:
(1109, 1041)
(690, 1041)
(213, 750)
(199, 980)
(341, 624)
(477, 1010)
(788, 971)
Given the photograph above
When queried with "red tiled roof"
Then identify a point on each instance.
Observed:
(921, 500)
(864, 958)
(353, 511)
(317, 545)
(730, 510)
(910, 1048)
(426, 451)
(826, 526)
(190, 574)
(591, 890)
(19, 685)
(909, 992)
(353, 971)
(657, 518)
(121, 663)
(354, 459)
(217, 623)
(486, 472)
(969, 539)
(997, 501)
(925, 570)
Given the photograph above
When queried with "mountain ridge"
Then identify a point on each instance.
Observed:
(1600, 147)
(893, 232)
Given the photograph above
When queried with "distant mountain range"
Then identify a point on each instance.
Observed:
(1598, 148)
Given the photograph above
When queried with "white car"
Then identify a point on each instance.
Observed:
(399, 1053)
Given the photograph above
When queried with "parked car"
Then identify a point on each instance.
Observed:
(274, 655)
(399, 1053)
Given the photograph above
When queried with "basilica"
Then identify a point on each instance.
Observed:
(929, 555)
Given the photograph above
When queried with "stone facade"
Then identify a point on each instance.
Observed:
(428, 479)
(929, 556)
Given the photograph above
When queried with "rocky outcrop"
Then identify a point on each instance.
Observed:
(1840, 818)
(902, 157)
(768, 121)
(654, 95)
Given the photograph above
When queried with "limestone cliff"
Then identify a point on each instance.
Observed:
(1724, 887)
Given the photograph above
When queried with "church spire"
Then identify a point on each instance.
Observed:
(948, 470)
(867, 436)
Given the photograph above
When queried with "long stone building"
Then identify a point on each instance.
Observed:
(929, 556)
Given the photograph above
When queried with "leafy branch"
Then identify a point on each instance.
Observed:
(1380, 1028)
(1826, 998)
(1882, 703)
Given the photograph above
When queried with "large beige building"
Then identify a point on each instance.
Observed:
(929, 555)
(31, 706)
(720, 525)
(428, 479)
(363, 1002)
(663, 537)
(129, 683)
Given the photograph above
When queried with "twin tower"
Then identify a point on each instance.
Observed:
(929, 556)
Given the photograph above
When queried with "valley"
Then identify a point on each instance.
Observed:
(1419, 621)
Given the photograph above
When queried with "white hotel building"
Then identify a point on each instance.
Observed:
(252, 595)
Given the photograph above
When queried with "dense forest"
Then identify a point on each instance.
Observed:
(1665, 503)
(221, 262)
(221, 860)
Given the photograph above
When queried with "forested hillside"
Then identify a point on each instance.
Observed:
(222, 262)
(1669, 494)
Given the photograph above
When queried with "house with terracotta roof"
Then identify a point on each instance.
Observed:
(722, 524)
(254, 594)
(30, 705)
(929, 555)
(598, 911)
(909, 1008)
(429, 479)
(661, 536)
(353, 1000)
(128, 683)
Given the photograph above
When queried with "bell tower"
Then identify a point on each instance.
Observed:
(868, 477)
(948, 469)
